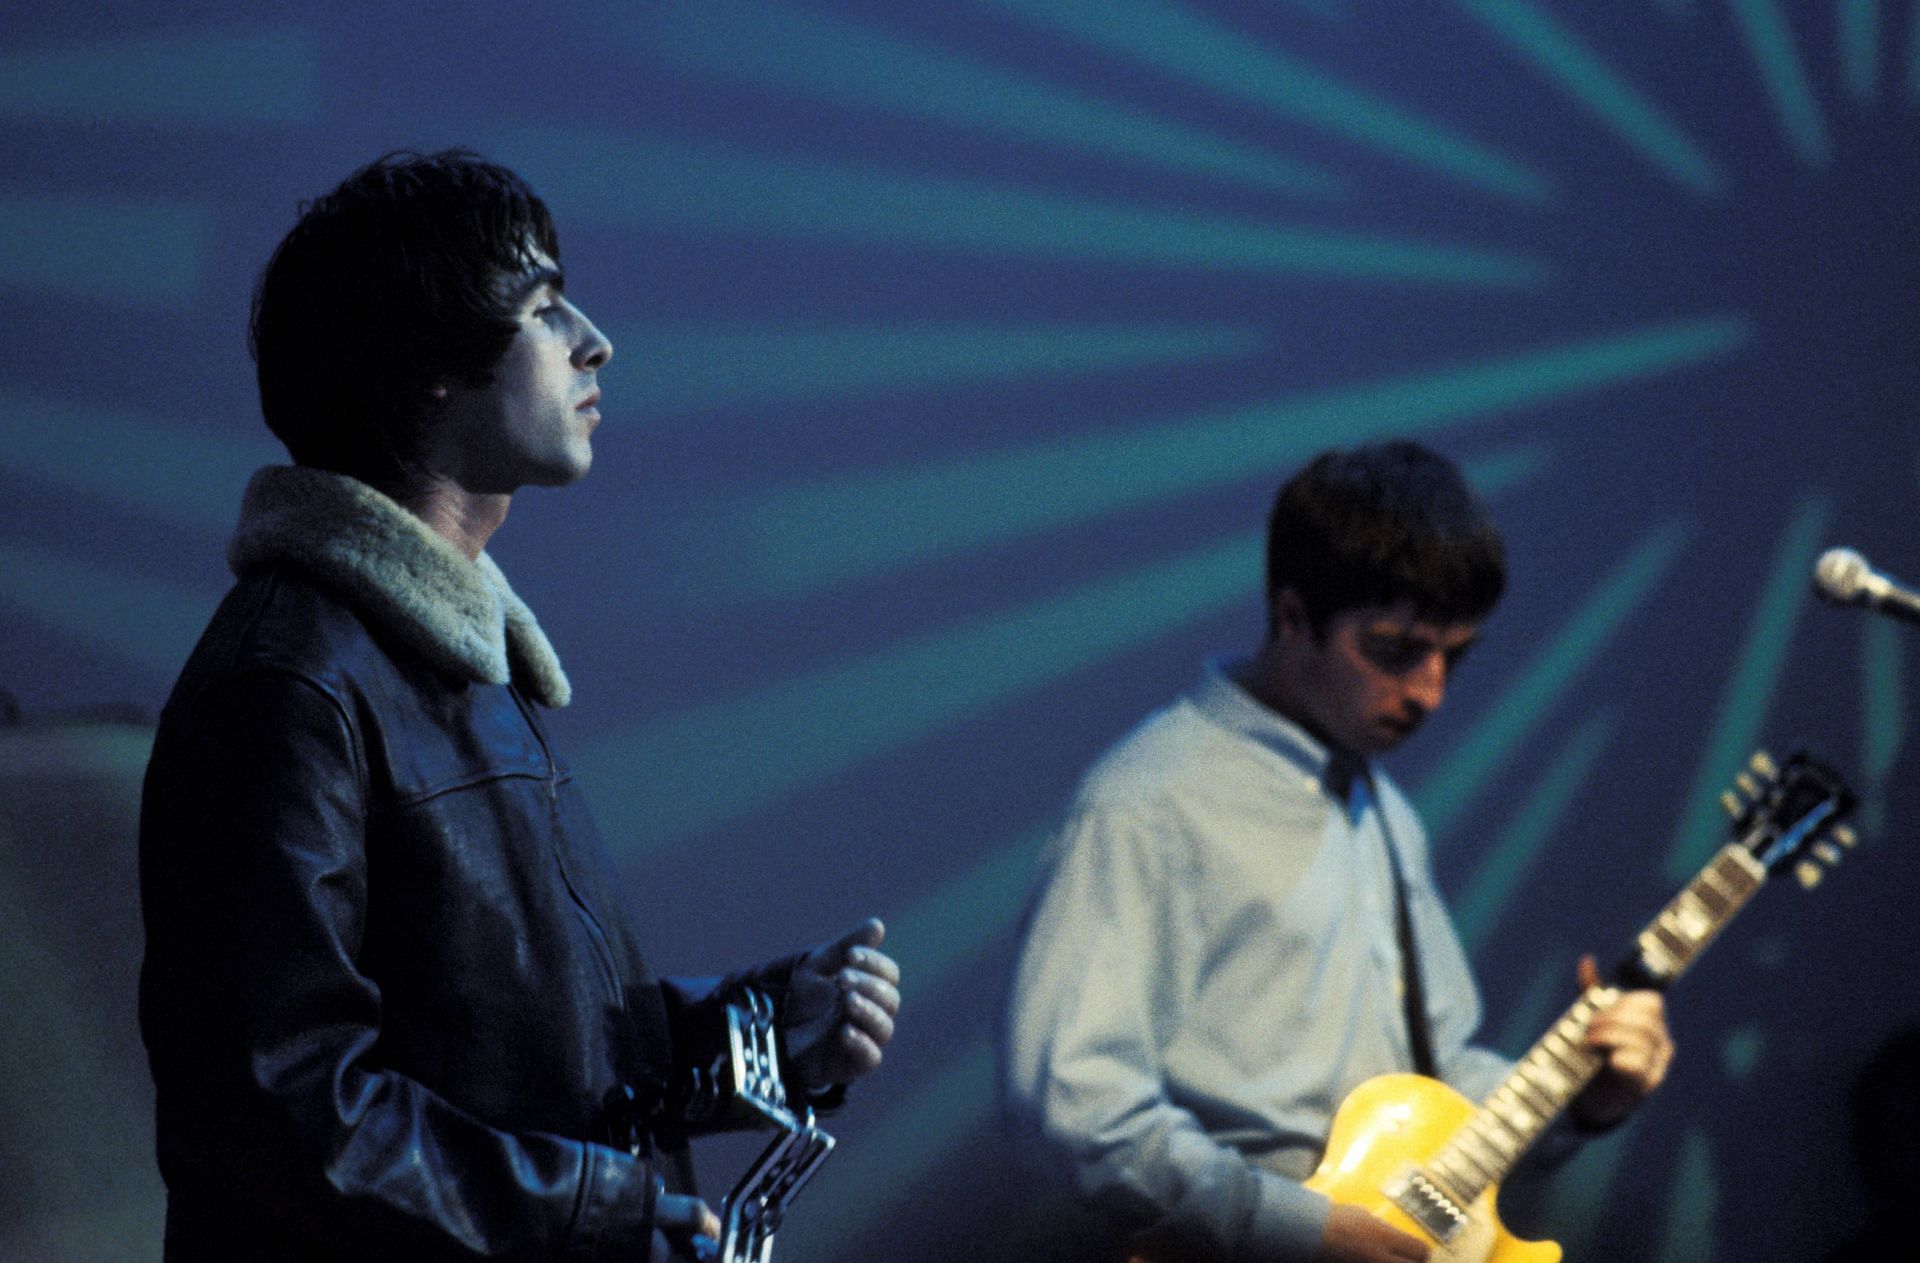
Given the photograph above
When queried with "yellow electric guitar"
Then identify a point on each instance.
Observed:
(1418, 1155)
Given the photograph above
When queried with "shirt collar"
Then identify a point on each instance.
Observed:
(1226, 703)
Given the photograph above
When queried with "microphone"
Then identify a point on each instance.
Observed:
(1843, 577)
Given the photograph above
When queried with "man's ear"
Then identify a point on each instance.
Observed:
(1288, 616)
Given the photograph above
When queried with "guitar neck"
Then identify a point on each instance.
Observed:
(1544, 1081)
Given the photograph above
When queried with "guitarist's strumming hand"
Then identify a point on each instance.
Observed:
(840, 1008)
(1632, 1034)
(1354, 1236)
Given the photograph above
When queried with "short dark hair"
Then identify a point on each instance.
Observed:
(385, 288)
(1380, 525)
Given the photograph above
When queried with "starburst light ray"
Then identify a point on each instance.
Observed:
(1548, 991)
(693, 368)
(953, 1103)
(1859, 39)
(948, 926)
(1688, 1227)
(147, 623)
(1554, 49)
(1175, 39)
(1743, 704)
(618, 180)
(1499, 870)
(142, 254)
(801, 538)
(1777, 59)
(844, 61)
(231, 79)
(166, 468)
(939, 679)
(1480, 755)
(1883, 711)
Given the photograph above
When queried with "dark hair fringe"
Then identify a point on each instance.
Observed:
(1384, 524)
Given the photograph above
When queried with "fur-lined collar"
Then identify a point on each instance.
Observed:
(396, 571)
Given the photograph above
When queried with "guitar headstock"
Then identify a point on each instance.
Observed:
(1789, 815)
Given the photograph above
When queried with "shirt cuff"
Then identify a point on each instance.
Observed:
(1289, 1220)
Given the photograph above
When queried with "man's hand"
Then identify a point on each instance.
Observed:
(1632, 1034)
(685, 1230)
(840, 1009)
(1354, 1236)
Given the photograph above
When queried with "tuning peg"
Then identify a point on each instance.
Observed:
(1829, 854)
(1747, 785)
(1731, 804)
(1763, 763)
(1846, 837)
(1808, 874)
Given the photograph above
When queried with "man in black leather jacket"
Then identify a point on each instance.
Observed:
(392, 997)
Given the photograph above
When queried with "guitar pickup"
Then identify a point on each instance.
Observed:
(1425, 1202)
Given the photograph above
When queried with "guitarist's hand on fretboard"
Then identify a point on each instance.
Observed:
(1354, 1236)
(1632, 1034)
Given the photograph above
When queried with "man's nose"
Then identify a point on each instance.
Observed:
(1428, 683)
(592, 349)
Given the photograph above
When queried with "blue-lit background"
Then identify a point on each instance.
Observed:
(960, 345)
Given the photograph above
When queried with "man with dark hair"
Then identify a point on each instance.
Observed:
(393, 999)
(1214, 955)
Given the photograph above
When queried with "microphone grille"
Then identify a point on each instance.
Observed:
(1840, 574)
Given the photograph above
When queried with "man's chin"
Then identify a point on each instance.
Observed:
(1387, 736)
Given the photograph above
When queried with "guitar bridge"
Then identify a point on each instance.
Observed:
(1428, 1204)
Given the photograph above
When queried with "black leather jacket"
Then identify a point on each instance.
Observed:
(390, 981)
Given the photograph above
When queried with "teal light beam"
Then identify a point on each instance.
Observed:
(191, 476)
(1551, 989)
(250, 80)
(1180, 41)
(146, 623)
(859, 1187)
(147, 254)
(805, 537)
(1479, 906)
(865, 707)
(1860, 47)
(1882, 689)
(932, 938)
(1913, 62)
(1771, 43)
(620, 180)
(1741, 1051)
(1558, 54)
(1743, 704)
(841, 60)
(1582, 1192)
(1688, 1234)
(1332, 10)
(1480, 756)
(689, 368)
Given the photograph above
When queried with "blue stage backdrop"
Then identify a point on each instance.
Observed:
(960, 346)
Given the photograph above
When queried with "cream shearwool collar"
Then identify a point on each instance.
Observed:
(397, 572)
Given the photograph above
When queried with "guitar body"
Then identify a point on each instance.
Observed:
(1402, 1134)
(1397, 1121)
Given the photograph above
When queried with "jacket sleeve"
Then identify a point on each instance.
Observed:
(1095, 998)
(264, 1034)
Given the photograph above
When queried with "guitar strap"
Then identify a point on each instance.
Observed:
(1412, 993)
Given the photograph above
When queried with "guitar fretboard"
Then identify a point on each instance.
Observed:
(1546, 1080)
